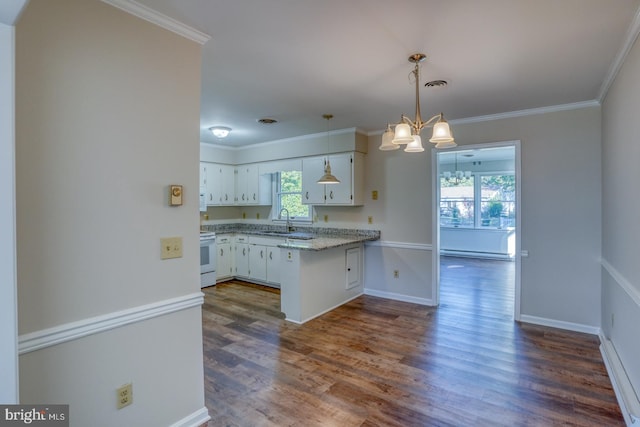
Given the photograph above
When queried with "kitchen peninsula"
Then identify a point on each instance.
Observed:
(318, 269)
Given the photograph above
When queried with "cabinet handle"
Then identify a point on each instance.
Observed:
(261, 254)
(270, 255)
(349, 269)
(254, 197)
(331, 194)
(226, 197)
(221, 252)
(306, 195)
(244, 251)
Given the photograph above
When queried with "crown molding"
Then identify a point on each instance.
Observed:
(632, 35)
(157, 18)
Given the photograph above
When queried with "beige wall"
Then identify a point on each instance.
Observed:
(620, 226)
(107, 117)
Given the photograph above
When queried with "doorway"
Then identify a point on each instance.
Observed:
(476, 223)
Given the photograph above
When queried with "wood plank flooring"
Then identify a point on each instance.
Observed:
(377, 362)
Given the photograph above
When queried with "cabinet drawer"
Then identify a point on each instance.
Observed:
(223, 238)
(266, 241)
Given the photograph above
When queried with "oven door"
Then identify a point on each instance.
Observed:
(208, 255)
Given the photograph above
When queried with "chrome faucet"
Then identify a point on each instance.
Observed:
(289, 227)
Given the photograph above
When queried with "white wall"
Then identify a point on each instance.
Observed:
(620, 226)
(107, 111)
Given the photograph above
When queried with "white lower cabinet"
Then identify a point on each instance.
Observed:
(273, 265)
(242, 257)
(353, 267)
(224, 266)
(258, 262)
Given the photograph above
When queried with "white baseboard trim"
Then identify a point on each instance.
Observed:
(399, 297)
(627, 399)
(400, 245)
(196, 419)
(569, 326)
(71, 331)
(298, 322)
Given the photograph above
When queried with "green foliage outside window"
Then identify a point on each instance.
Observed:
(289, 194)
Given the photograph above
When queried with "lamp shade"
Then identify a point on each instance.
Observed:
(441, 132)
(403, 134)
(446, 144)
(328, 178)
(414, 146)
(387, 137)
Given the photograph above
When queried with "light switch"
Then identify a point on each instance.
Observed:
(171, 247)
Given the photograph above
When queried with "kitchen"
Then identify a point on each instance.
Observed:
(279, 250)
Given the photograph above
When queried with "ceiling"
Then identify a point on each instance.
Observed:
(295, 60)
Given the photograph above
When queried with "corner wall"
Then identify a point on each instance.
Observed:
(107, 109)
(620, 227)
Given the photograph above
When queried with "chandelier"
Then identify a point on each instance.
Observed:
(407, 132)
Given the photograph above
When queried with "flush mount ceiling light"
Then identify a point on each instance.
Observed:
(220, 131)
(407, 132)
(328, 178)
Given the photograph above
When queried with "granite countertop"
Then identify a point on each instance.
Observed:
(314, 238)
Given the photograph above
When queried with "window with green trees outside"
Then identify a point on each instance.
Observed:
(289, 196)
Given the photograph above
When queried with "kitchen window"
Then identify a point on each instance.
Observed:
(288, 195)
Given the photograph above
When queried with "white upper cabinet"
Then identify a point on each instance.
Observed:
(312, 170)
(251, 187)
(347, 167)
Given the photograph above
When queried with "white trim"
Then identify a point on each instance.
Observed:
(196, 419)
(400, 245)
(560, 324)
(527, 112)
(157, 18)
(399, 297)
(70, 331)
(633, 293)
(627, 399)
(616, 65)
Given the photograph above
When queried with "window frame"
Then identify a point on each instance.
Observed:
(277, 201)
(477, 201)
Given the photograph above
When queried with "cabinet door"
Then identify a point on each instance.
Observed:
(242, 260)
(258, 262)
(203, 174)
(340, 194)
(312, 170)
(273, 265)
(228, 183)
(242, 184)
(224, 262)
(212, 184)
(353, 257)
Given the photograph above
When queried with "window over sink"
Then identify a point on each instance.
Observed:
(288, 195)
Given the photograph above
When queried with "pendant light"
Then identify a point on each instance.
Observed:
(328, 178)
(408, 131)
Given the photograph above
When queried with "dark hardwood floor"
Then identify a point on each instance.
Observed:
(377, 362)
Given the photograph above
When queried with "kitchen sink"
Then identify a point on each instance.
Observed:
(289, 234)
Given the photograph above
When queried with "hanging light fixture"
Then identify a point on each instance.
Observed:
(408, 131)
(457, 174)
(328, 178)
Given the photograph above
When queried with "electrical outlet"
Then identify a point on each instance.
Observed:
(374, 195)
(244, 215)
(370, 220)
(289, 256)
(326, 218)
(124, 396)
(171, 247)
(396, 274)
(257, 215)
